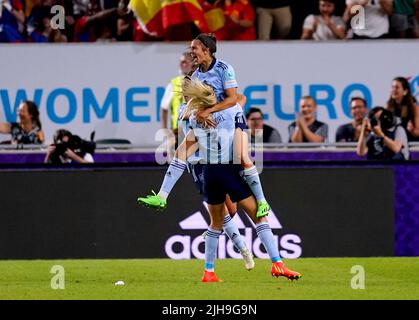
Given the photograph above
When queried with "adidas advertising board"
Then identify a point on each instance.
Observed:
(190, 246)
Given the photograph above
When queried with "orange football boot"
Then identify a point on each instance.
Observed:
(280, 270)
(210, 277)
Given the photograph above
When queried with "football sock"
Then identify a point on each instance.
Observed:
(232, 231)
(265, 234)
(251, 176)
(211, 244)
(173, 173)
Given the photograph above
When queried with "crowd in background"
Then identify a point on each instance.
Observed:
(110, 20)
(381, 132)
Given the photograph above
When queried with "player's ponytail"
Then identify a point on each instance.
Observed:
(200, 95)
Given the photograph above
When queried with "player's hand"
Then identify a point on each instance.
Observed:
(203, 115)
(210, 123)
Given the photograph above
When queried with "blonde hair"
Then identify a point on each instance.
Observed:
(200, 95)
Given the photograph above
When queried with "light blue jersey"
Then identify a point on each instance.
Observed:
(220, 76)
(216, 145)
(184, 125)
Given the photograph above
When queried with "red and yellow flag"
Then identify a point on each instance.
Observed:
(155, 16)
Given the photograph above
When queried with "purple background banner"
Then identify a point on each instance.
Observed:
(407, 210)
(149, 157)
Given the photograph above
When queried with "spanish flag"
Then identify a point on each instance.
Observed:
(155, 16)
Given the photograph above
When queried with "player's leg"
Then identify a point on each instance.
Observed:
(232, 231)
(231, 206)
(266, 236)
(211, 241)
(250, 173)
(173, 174)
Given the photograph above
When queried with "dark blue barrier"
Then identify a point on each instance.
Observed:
(321, 209)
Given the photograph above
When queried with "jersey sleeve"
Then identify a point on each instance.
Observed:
(229, 78)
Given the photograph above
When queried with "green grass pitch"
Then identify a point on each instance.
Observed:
(323, 278)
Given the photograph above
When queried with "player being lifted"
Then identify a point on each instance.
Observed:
(221, 77)
(221, 178)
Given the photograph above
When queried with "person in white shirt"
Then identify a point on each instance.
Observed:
(372, 22)
(325, 26)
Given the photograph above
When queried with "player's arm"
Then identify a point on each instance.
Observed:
(175, 171)
(241, 100)
(229, 101)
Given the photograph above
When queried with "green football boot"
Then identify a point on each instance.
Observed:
(153, 201)
(263, 209)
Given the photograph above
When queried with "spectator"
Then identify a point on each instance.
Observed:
(39, 24)
(80, 7)
(57, 36)
(306, 128)
(12, 19)
(325, 26)
(240, 20)
(404, 20)
(125, 25)
(276, 12)
(29, 129)
(257, 128)
(172, 97)
(376, 18)
(351, 131)
(84, 29)
(388, 139)
(69, 148)
(215, 17)
(404, 106)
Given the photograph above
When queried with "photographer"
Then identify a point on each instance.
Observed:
(382, 138)
(69, 148)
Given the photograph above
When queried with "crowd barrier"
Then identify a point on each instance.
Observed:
(320, 209)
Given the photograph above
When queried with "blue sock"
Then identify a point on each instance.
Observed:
(173, 173)
(230, 228)
(211, 244)
(267, 237)
(251, 176)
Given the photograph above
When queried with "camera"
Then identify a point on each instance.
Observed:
(386, 118)
(373, 122)
(64, 140)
